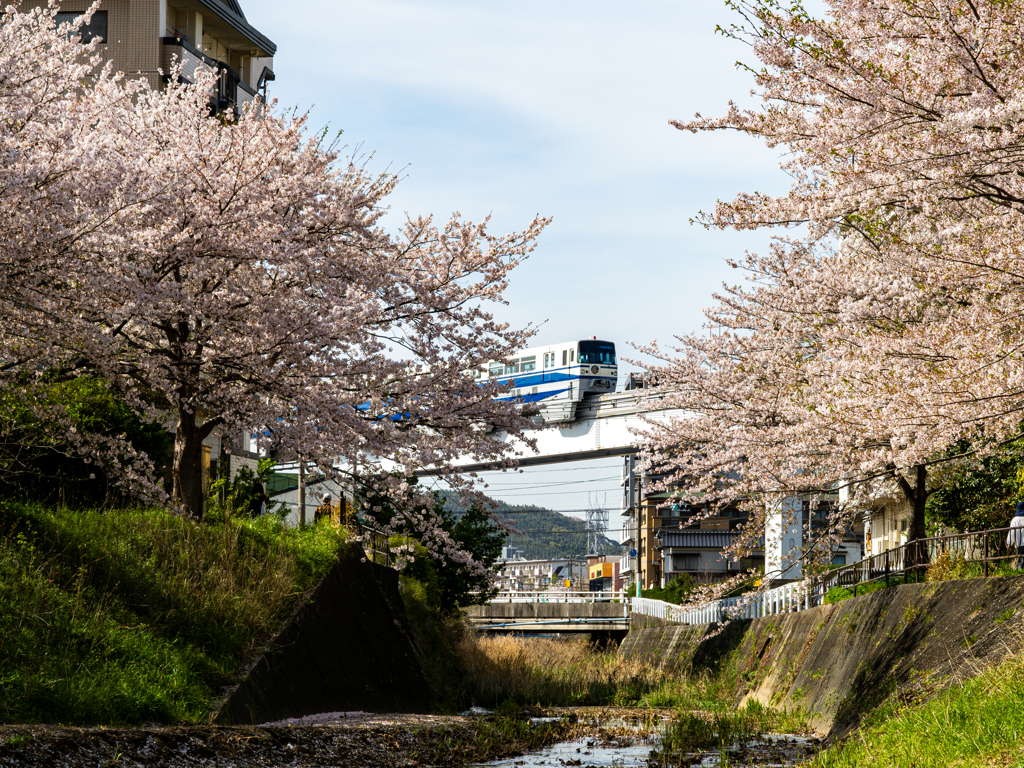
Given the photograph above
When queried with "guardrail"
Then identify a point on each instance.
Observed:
(783, 599)
(906, 562)
(550, 596)
(912, 559)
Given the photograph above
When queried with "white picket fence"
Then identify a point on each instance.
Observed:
(784, 599)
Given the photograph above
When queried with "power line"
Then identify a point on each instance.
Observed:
(550, 493)
(553, 485)
(543, 471)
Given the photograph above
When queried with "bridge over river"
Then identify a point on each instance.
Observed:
(547, 612)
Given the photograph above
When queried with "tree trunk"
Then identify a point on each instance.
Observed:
(302, 492)
(917, 528)
(187, 472)
(917, 495)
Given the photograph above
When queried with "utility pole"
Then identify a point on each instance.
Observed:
(302, 492)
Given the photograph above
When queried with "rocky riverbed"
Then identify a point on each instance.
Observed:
(583, 736)
(352, 740)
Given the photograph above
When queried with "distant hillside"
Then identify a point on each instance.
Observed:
(546, 534)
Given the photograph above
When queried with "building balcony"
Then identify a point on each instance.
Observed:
(230, 92)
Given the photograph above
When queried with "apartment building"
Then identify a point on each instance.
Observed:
(517, 574)
(144, 37)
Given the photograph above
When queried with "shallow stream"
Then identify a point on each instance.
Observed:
(625, 743)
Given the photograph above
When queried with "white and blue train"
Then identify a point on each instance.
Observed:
(558, 374)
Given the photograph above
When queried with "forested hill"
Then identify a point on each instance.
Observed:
(546, 533)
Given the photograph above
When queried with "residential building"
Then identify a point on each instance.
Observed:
(603, 573)
(652, 515)
(521, 575)
(662, 543)
(144, 37)
(886, 521)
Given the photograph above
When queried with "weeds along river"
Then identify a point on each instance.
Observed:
(664, 740)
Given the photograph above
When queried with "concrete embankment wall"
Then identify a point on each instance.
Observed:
(348, 648)
(837, 662)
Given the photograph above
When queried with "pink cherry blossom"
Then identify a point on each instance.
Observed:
(882, 332)
(239, 275)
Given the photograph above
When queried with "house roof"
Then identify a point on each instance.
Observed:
(231, 12)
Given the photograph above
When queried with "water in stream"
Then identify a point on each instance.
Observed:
(667, 746)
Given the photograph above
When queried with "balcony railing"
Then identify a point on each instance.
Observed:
(229, 93)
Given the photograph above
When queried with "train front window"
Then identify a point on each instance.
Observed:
(597, 353)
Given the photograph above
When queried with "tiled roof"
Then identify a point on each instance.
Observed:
(696, 539)
(231, 12)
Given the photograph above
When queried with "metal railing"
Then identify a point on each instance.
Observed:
(375, 543)
(908, 562)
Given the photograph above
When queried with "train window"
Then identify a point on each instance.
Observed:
(597, 353)
(528, 364)
(572, 354)
(565, 355)
(496, 369)
(512, 368)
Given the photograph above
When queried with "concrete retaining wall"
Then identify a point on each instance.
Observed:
(837, 662)
(348, 648)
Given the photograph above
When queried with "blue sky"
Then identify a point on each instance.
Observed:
(559, 108)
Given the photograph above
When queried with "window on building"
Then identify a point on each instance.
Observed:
(752, 563)
(95, 29)
(687, 561)
(839, 559)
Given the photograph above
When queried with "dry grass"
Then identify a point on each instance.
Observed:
(550, 672)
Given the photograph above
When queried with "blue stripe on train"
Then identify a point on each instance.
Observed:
(533, 398)
(546, 377)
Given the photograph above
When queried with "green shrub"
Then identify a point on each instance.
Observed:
(675, 592)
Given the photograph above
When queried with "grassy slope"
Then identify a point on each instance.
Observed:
(130, 616)
(977, 723)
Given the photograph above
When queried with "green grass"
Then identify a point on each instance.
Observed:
(838, 594)
(977, 723)
(131, 616)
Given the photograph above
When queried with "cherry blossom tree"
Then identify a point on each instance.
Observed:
(886, 327)
(239, 273)
(52, 89)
